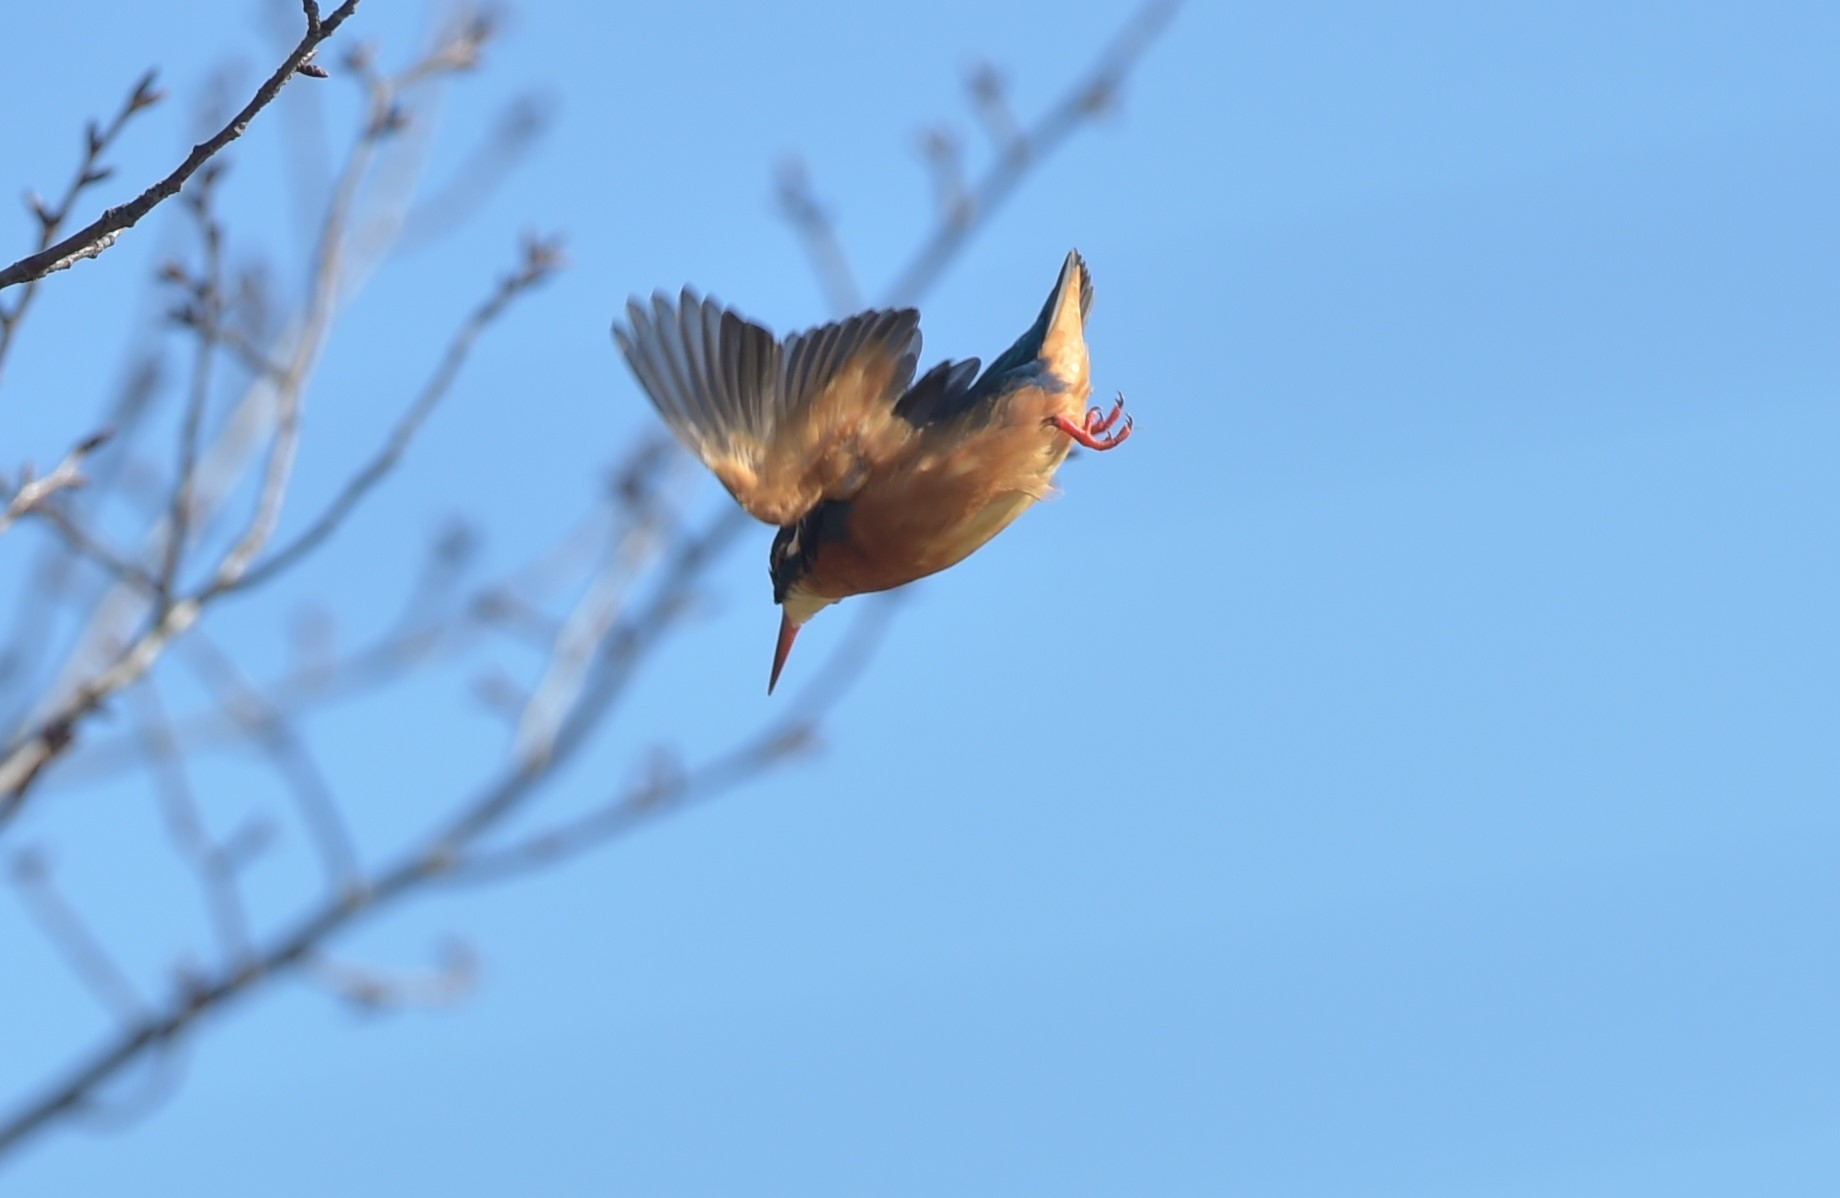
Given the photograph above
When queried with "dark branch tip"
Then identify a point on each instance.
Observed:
(93, 442)
(145, 95)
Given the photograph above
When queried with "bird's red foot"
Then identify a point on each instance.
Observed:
(1094, 432)
(1096, 423)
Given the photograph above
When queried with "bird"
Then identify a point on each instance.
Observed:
(873, 479)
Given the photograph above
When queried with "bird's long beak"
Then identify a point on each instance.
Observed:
(787, 632)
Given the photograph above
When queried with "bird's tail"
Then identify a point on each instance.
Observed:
(1057, 339)
(1063, 321)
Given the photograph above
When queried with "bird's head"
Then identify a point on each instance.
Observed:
(788, 563)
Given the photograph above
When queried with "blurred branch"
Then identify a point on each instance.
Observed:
(964, 207)
(454, 975)
(813, 223)
(636, 544)
(666, 787)
(72, 938)
(1094, 93)
(28, 638)
(203, 313)
(623, 651)
(990, 97)
(101, 233)
(424, 638)
(304, 779)
(541, 258)
(520, 126)
(640, 570)
(281, 398)
(83, 545)
(32, 492)
(215, 866)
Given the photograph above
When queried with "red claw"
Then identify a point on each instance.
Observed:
(1094, 432)
(1098, 424)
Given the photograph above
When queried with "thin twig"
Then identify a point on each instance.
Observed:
(800, 206)
(1095, 93)
(101, 233)
(541, 259)
(207, 311)
(666, 787)
(90, 173)
(505, 605)
(453, 976)
(87, 547)
(33, 492)
(579, 638)
(458, 842)
(26, 758)
(623, 653)
(319, 809)
(74, 941)
(212, 864)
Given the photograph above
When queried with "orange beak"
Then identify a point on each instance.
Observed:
(787, 632)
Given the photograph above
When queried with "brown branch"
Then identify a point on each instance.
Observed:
(101, 233)
(90, 173)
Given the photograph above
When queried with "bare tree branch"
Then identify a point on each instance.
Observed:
(90, 173)
(319, 810)
(72, 938)
(540, 260)
(622, 653)
(25, 758)
(667, 787)
(964, 209)
(84, 545)
(636, 570)
(102, 232)
(32, 492)
(205, 314)
(453, 976)
(800, 206)
(214, 865)
(1097, 91)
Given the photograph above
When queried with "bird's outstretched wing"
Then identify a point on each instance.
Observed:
(782, 424)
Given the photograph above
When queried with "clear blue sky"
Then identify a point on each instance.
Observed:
(1408, 767)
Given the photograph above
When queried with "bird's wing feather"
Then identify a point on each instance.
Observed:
(783, 425)
(941, 394)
